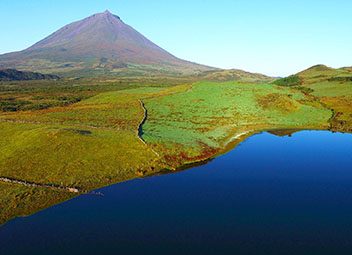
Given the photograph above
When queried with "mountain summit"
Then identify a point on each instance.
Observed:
(100, 43)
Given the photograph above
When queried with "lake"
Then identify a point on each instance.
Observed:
(270, 195)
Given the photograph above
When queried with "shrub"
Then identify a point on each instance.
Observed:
(292, 80)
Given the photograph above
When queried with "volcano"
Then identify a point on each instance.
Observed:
(99, 44)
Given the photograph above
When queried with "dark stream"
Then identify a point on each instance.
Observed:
(270, 195)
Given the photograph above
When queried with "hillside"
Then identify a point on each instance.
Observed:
(332, 87)
(233, 75)
(101, 44)
(316, 74)
(15, 75)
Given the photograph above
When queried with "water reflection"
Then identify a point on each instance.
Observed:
(271, 195)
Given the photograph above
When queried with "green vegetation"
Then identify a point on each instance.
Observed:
(17, 200)
(292, 80)
(333, 89)
(12, 104)
(15, 75)
(84, 133)
(87, 145)
(233, 75)
(110, 142)
(199, 122)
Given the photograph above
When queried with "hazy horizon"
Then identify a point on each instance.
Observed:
(276, 38)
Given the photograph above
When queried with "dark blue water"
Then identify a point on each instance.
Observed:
(270, 195)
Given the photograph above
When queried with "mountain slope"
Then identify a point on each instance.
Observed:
(15, 75)
(101, 42)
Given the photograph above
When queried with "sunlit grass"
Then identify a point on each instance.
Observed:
(208, 114)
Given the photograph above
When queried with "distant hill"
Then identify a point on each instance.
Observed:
(332, 87)
(317, 74)
(100, 44)
(234, 75)
(15, 75)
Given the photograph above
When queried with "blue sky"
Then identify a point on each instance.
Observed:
(272, 37)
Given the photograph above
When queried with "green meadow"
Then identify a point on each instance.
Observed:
(208, 115)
